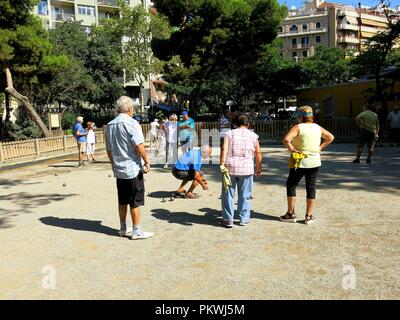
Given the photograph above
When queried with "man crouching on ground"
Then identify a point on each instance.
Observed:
(125, 149)
(188, 167)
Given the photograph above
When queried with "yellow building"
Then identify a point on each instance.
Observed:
(342, 100)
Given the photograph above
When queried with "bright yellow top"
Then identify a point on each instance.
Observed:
(308, 141)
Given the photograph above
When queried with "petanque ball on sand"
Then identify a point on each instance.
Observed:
(56, 174)
(171, 199)
(109, 175)
(69, 170)
(163, 200)
(64, 184)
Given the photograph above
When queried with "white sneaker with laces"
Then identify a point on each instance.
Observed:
(143, 235)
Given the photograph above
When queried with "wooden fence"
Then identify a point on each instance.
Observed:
(30, 149)
(344, 130)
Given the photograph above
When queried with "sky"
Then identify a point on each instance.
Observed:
(370, 3)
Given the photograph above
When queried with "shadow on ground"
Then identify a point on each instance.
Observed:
(7, 184)
(25, 202)
(337, 171)
(29, 201)
(79, 225)
(210, 217)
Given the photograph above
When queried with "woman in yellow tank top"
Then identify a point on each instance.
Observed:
(304, 142)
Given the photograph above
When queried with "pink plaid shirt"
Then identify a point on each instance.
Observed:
(241, 150)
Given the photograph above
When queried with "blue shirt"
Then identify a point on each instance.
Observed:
(123, 135)
(78, 127)
(191, 160)
(187, 134)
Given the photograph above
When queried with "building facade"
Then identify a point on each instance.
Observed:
(320, 23)
(90, 12)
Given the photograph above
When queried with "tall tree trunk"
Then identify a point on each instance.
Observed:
(25, 102)
(141, 96)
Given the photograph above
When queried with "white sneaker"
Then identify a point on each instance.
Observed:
(166, 166)
(125, 232)
(143, 235)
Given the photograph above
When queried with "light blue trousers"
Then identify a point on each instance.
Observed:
(245, 188)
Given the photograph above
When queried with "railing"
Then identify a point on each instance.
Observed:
(113, 3)
(63, 16)
(302, 32)
(344, 130)
(29, 149)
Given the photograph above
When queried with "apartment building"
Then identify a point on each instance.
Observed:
(329, 24)
(89, 12)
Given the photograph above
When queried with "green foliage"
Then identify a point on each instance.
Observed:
(159, 115)
(136, 26)
(328, 66)
(381, 53)
(23, 129)
(212, 37)
(68, 119)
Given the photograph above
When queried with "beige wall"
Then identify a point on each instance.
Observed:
(286, 36)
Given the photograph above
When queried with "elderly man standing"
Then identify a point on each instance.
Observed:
(80, 135)
(240, 148)
(125, 149)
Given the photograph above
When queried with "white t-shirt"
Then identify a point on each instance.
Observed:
(91, 137)
(171, 127)
(154, 127)
(394, 118)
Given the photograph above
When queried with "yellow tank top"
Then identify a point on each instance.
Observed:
(308, 142)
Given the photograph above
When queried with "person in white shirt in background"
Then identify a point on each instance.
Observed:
(153, 132)
(225, 125)
(394, 126)
(171, 132)
(90, 141)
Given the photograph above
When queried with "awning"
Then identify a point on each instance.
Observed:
(367, 34)
(166, 107)
(374, 23)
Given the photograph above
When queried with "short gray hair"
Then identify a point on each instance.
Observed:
(125, 104)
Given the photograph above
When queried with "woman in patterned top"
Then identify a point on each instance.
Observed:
(240, 148)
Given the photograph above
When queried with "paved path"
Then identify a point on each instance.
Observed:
(69, 231)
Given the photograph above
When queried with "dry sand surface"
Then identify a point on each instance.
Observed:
(69, 231)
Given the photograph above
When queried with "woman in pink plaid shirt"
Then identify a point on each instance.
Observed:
(240, 148)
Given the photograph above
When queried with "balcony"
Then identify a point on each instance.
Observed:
(302, 32)
(110, 3)
(62, 17)
(346, 26)
(348, 40)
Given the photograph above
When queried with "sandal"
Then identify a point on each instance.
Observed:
(180, 194)
(309, 219)
(288, 217)
(191, 196)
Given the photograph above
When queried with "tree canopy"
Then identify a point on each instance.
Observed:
(213, 35)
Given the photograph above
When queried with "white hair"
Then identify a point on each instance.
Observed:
(79, 119)
(125, 104)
